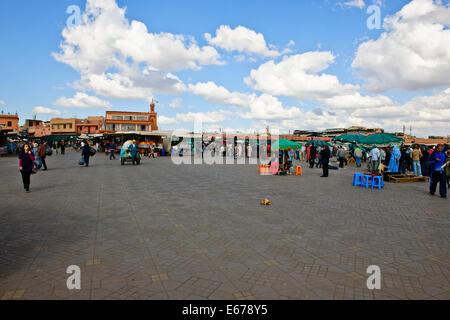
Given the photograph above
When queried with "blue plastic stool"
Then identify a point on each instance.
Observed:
(378, 182)
(367, 181)
(358, 179)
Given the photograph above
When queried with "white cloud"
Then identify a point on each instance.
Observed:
(241, 39)
(205, 117)
(220, 95)
(191, 117)
(423, 112)
(263, 107)
(267, 107)
(2, 103)
(46, 111)
(176, 103)
(166, 120)
(355, 3)
(298, 76)
(356, 101)
(82, 100)
(121, 59)
(413, 53)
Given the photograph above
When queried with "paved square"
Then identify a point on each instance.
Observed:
(160, 231)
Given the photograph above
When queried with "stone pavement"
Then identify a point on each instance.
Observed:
(160, 231)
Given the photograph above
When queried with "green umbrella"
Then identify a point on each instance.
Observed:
(60, 137)
(318, 143)
(283, 144)
(353, 138)
(380, 139)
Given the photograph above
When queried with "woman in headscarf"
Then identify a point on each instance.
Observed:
(395, 160)
(26, 164)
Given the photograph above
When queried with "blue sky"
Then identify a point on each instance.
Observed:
(329, 36)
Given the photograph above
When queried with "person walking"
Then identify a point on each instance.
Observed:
(312, 155)
(381, 160)
(112, 150)
(437, 175)
(133, 150)
(415, 156)
(319, 157)
(341, 156)
(447, 167)
(63, 147)
(325, 157)
(26, 165)
(358, 155)
(375, 157)
(291, 154)
(86, 153)
(403, 160)
(42, 154)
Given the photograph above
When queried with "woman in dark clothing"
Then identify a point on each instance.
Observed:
(388, 156)
(86, 152)
(26, 164)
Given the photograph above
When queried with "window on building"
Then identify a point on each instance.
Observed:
(128, 127)
(53, 126)
(117, 117)
(70, 126)
(143, 127)
(64, 126)
(59, 126)
(129, 118)
(9, 124)
(142, 118)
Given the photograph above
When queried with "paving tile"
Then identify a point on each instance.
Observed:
(211, 239)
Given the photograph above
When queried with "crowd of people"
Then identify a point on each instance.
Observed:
(414, 159)
(417, 160)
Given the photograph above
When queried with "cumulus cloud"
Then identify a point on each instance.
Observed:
(268, 107)
(121, 59)
(356, 101)
(46, 111)
(220, 95)
(82, 100)
(341, 111)
(263, 107)
(241, 39)
(412, 54)
(205, 117)
(2, 103)
(166, 120)
(298, 76)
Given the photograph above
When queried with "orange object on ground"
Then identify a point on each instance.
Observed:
(264, 169)
(298, 170)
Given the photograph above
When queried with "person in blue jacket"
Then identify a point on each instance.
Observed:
(437, 158)
(133, 150)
